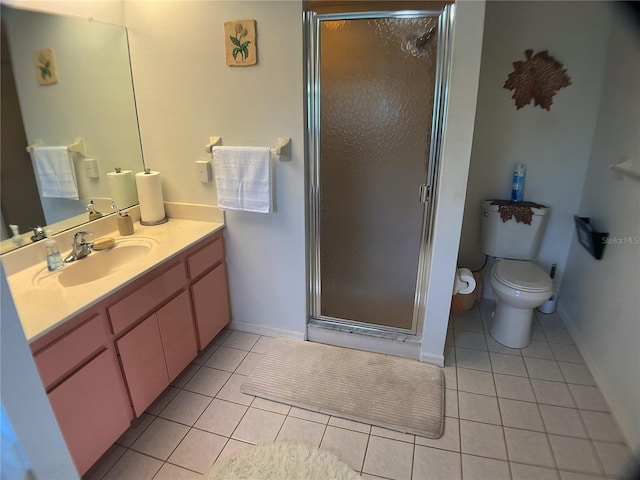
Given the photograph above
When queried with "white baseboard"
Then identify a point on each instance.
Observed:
(265, 330)
(626, 425)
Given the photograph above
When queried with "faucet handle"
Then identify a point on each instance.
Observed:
(81, 235)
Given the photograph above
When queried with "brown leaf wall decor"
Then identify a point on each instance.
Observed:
(537, 78)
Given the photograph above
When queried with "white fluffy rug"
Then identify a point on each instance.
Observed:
(281, 461)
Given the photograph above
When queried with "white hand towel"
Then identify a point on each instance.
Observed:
(243, 178)
(56, 175)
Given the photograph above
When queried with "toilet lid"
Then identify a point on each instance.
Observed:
(522, 275)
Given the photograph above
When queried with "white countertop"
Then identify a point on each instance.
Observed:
(42, 306)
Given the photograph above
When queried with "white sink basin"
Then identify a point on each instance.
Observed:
(99, 264)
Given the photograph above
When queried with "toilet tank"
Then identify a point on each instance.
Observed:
(512, 239)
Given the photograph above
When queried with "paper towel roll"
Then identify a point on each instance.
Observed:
(122, 186)
(150, 196)
(464, 282)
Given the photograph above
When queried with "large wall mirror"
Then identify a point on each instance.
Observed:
(93, 99)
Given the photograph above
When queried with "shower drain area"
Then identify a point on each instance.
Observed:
(341, 335)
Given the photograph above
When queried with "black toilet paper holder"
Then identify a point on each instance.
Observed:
(593, 241)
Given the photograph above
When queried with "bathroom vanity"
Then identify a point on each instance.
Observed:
(107, 348)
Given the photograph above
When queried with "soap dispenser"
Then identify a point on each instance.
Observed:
(54, 259)
(125, 223)
(16, 238)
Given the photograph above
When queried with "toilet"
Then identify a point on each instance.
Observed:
(518, 284)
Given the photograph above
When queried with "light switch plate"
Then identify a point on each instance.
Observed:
(91, 167)
(203, 171)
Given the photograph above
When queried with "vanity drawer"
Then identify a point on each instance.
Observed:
(70, 351)
(143, 300)
(206, 257)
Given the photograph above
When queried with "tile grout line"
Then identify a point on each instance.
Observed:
(192, 427)
(504, 434)
(366, 449)
(459, 419)
(230, 437)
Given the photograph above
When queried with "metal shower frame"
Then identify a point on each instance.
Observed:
(312, 22)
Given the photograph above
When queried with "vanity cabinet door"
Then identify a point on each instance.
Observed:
(143, 363)
(178, 334)
(91, 409)
(211, 304)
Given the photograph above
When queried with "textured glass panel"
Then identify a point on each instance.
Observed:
(377, 81)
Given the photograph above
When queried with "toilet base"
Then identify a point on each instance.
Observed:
(511, 326)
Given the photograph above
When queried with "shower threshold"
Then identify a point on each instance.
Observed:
(370, 339)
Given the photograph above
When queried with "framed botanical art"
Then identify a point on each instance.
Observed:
(45, 63)
(240, 43)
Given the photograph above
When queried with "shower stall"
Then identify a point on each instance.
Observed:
(376, 99)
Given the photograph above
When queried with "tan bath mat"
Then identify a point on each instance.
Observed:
(390, 392)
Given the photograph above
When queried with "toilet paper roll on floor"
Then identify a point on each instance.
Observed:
(464, 282)
(149, 186)
(122, 187)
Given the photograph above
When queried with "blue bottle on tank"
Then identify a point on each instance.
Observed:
(517, 188)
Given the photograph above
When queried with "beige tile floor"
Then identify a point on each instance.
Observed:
(533, 413)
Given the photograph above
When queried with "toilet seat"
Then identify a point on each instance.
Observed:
(522, 275)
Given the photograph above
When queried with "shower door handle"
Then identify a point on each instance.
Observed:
(425, 193)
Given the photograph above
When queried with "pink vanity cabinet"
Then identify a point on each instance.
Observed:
(160, 326)
(104, 367)
(155, 334)
(81, 374)
(208, 273)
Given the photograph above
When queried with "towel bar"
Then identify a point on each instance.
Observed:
(213, 142)
(35, 144)
(76, 147)
(626, 168)
(282, 151)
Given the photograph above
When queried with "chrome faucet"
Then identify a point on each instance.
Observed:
(81, 248)
(38, 234)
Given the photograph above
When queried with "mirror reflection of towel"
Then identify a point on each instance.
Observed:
(243, 178)
(55, 172)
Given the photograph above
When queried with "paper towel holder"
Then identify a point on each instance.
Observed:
(157, 222)
(147, 223)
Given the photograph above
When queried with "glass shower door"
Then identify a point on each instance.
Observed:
(375, 82)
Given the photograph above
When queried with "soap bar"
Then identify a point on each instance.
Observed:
(104, 243)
